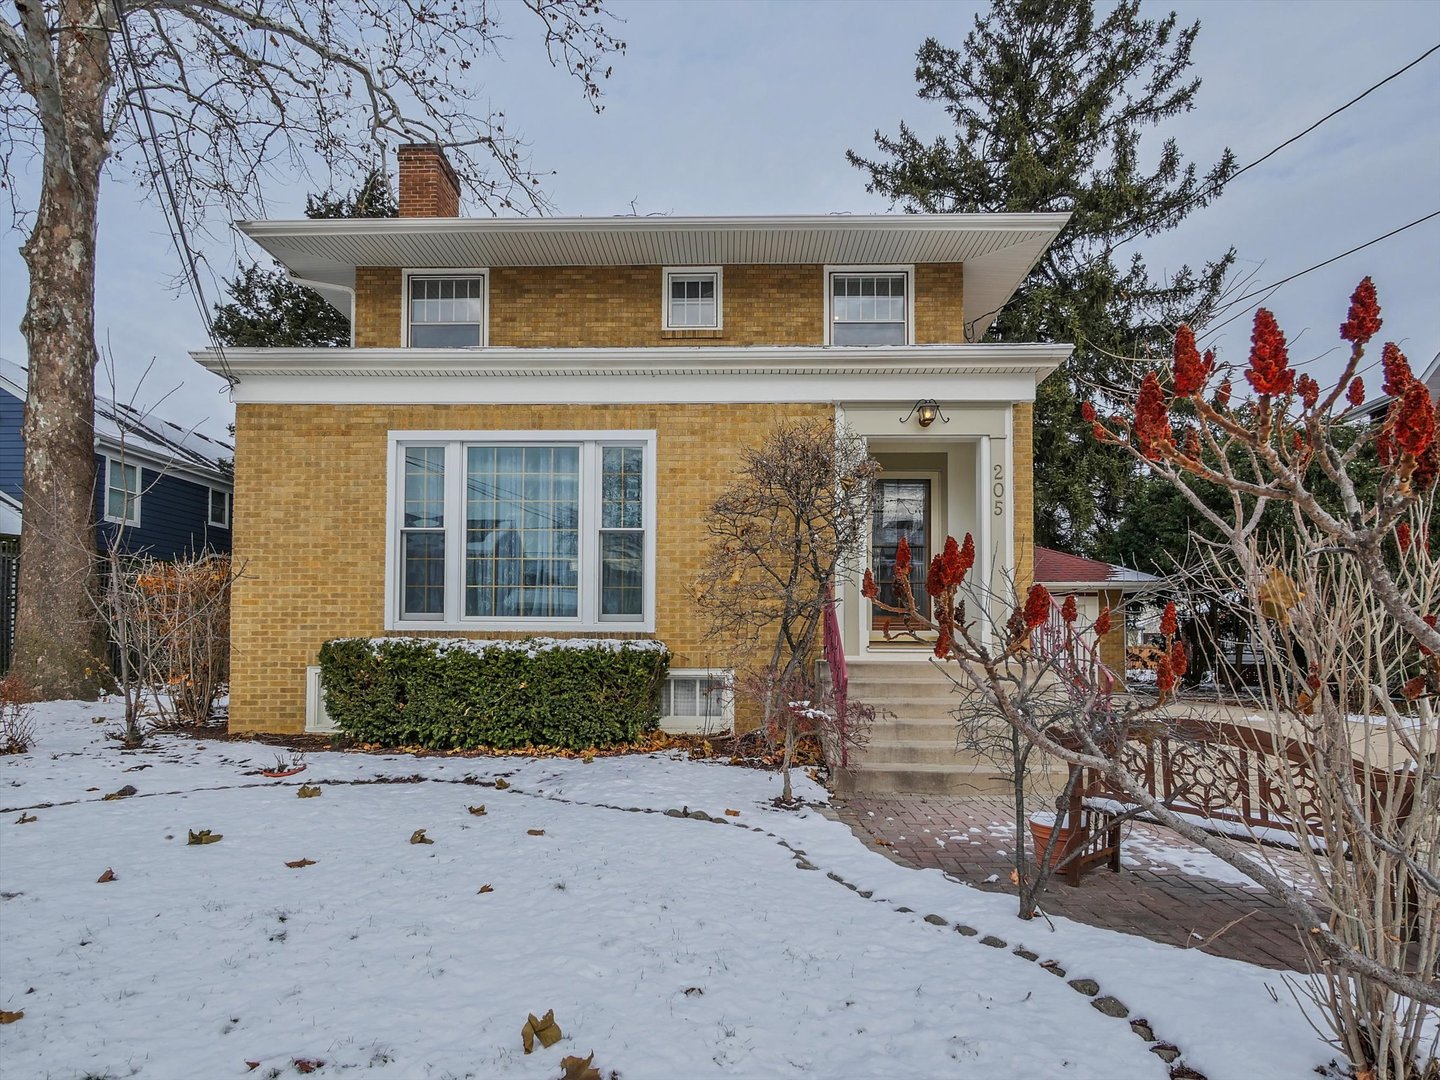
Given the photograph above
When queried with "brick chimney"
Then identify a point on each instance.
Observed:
(428, 184)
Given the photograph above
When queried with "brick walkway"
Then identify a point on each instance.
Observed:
(1163, 893)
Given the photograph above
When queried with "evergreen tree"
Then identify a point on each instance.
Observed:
(1048, 107)
(268, 309)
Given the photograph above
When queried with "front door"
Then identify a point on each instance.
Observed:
(902, 509)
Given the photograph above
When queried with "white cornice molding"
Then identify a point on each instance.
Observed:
(679, 375)
(672, 361)
(840, 223)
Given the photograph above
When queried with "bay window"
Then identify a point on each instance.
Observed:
(522, 530)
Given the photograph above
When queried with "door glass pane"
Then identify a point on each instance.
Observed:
(902, 508)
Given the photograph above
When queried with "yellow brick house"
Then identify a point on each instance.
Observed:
(536, 412)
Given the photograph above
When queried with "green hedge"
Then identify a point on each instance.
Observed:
(449, 693)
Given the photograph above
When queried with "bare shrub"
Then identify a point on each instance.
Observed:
(189, 599)
(793, 521)
(169, 627)
(17, 720)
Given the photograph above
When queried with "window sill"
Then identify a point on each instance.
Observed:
(535, 627)
(706, 334)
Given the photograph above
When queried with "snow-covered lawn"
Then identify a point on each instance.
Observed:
(671, 947)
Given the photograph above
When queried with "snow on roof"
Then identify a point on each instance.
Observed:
(144, 432)
(1057, 568)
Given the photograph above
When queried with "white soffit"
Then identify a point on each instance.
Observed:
(997, 250)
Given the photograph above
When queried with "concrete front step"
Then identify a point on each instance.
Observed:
(912, 747)
(921, 779)
(918, 752)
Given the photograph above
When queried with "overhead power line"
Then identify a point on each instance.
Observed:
(1209, 330)
(1213, 186)
(170, 205)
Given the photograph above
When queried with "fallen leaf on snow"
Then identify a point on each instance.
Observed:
(478, 811)
(105, 878)
(298, 863)
(309, 791)
(204, 836)
(25, 819)
(10, 1017)
(419, 837)
(732, 813)
(307, 1065)
(578, 1068)
(545, 1029)
(501, 784)
(484, 889)
(251, 1066)
(124, 793)
(536, 832)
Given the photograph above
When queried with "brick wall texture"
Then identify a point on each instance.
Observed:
(1023, 452)
(621, 307)
(309, 527)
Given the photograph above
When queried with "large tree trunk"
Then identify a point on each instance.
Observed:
(57, 640)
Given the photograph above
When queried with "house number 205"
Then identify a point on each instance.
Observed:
(997, 491)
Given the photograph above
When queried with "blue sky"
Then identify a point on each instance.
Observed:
(748, 107)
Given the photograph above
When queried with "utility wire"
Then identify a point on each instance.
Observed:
(1212, 187)
(170, 205)
(1301, 273)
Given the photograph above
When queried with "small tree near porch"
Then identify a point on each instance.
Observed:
(792, 523)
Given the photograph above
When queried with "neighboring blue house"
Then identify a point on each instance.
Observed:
(163, 487)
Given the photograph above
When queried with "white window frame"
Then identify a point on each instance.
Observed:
(110, 464)
(589, 618)
(672, 272)
(907, 270)
(696, 725)
(229, 504)
(483, 273)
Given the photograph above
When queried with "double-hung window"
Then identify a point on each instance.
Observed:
(523, 530)
(219, 508)
(692, 298)
(445, 311)
(122, 492)
(869, 307)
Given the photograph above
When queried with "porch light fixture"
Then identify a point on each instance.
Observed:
(925, 411)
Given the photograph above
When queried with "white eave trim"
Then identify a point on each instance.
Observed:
(672, 361)
(952, 374)
(837, 223)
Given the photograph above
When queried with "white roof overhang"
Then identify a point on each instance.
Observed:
(987, 372)
(997, 250)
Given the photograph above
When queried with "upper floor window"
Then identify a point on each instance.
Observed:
(445, 311)
(692, 298)
(122, 492)
(219, 508)
(869, 308)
